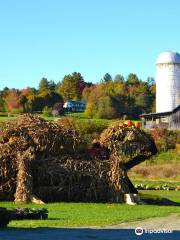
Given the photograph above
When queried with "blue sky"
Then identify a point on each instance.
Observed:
(51, 38)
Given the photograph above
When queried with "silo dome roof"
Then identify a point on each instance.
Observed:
(168, 57)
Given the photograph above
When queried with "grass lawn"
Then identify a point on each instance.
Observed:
(97, 214)
(80, 116)
(165, 157)
(6, 118)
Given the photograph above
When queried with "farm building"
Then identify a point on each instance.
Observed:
(167, 93)
(170, 120)
(167, 81)
(74, 106)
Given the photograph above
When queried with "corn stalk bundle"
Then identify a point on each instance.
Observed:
(40, 157)
(131, 144)
(69, 179)
(25, 140)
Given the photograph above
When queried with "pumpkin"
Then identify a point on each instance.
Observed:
(128, 123)
(137, 124)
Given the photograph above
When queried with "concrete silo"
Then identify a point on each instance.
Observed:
(167, 81)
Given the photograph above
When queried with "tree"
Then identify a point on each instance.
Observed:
(2, 103)
(71, 87)
(44, 87)
(107, 77)
(119, 78)
(132, 79)
(51, 86)
(23, 100)
(150, 81)
(105, 108)
(87, 92)
(119, 98)
(12, 101)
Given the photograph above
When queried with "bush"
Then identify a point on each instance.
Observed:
(47, 112)
(165, 139)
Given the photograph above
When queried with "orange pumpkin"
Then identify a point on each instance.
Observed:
(128, 123)
(137, 124)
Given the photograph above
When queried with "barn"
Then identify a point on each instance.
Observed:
(170, 120)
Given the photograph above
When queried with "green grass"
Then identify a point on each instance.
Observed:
(6, 118)
(97, 214)
(165, 157)
(77, 114)
(82, 118)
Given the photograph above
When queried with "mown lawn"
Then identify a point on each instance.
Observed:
(97, 214)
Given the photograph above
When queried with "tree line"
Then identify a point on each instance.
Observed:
(109, 98)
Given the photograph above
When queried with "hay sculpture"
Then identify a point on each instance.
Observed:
(130, 144)
(41, 158)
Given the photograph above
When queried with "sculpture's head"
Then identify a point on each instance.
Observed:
(128, 142)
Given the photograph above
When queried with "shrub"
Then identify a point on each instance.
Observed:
(47, 112)
(165, 139)
(142, 171)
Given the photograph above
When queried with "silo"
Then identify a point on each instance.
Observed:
(167, 81)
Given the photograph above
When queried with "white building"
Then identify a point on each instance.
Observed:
(167, 93)
(75, 106)
(167, 82)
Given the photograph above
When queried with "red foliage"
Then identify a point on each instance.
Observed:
(158, 133)
(12, 100)
(26, 91)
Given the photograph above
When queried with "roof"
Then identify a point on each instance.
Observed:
(155, 115)
(176, 109)
(74, 102)
(162, 114)
(168, 57)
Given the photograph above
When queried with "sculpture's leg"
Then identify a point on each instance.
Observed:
(24, 177)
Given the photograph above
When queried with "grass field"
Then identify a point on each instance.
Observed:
(97, 214)
(164, 167)
(5, 118)
(80, 116)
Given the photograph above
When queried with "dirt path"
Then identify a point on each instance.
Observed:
(169, 222)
